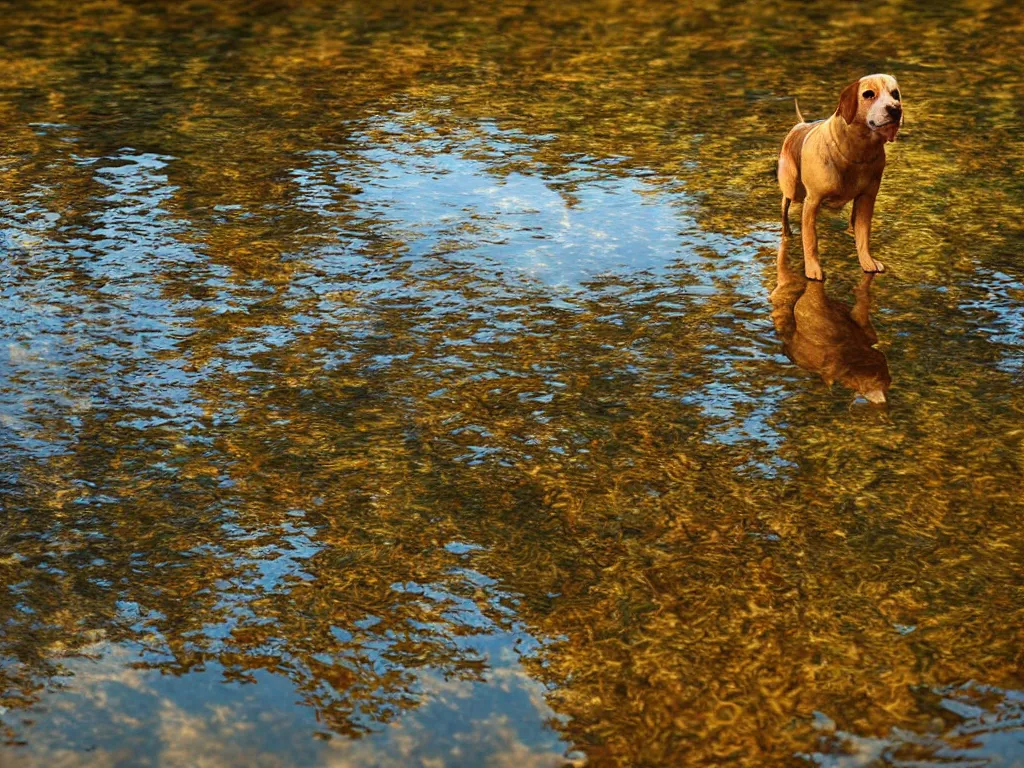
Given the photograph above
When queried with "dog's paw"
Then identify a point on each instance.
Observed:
(813, 271)
(874, 268)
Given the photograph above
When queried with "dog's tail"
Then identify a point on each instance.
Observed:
(798, 115)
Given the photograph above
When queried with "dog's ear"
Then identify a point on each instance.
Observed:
(847, 108)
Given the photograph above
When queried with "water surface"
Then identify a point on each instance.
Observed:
(402, 384)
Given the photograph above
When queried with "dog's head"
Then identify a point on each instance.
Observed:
(874, 101)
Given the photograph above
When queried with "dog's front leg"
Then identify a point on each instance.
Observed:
(809, 233)
(863, 208)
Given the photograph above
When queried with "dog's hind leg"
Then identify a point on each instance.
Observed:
(785, 216)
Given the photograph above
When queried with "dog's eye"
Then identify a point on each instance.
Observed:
(896, 94)
(868, 94)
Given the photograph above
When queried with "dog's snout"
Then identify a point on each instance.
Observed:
(894, 110)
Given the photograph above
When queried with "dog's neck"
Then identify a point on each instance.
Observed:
(855, 141)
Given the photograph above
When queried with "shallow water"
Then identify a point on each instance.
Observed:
(403, 384)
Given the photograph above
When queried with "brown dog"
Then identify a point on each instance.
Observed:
(840, 159)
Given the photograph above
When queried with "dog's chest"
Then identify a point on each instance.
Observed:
(849, 180)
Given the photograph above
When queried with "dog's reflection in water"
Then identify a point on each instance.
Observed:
(827, 337)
